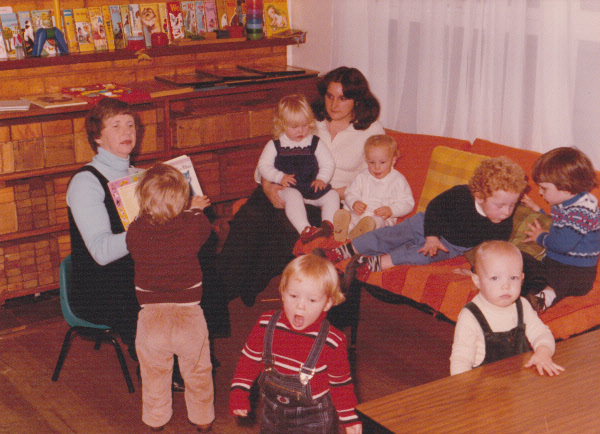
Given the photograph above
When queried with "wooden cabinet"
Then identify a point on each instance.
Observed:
(223, 130)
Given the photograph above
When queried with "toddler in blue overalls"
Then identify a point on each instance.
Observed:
(298, 161)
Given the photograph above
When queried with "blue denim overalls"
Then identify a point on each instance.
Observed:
(302, 163)
(500, 345)
(288, 403)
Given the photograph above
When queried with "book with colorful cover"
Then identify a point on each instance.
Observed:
(12, 33)
(150, 17)
(42, 19)
(94, 92)
(164, 18)
(27, 31)
(190, 25)
(277, 18)
(84, 30)
(222, 20)
(108, 27)
(175, 22)
(231, 10)
(123, 190)
(54, 100)
(70, 31)
(3, 53)
(126, 21)
(210, 15)
(135, 19)
(200, 21)
(98, 30)
(117, 26)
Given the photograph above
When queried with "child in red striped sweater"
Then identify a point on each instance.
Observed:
(301, 360)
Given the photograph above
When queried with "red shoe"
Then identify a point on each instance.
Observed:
(310, 232)
(331, 255)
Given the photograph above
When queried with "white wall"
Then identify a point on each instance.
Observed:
(314, 17)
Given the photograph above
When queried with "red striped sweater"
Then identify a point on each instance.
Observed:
(290, 350)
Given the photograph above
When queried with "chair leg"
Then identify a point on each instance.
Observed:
(121, 358)
(63, 354)
(98, 343)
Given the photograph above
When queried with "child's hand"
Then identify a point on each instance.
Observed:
(200, 202)
(354, 429)
(318, 184)
(385, 212)
(431, 246)
(542, 359)
(359, 207)
(288, 180)
(534, 231)
(242, 413)
(531, 204)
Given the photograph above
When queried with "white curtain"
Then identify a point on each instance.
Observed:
(524, 73)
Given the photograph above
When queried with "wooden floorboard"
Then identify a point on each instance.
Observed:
(398, 347)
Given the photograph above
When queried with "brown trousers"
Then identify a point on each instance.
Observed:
(162, 331)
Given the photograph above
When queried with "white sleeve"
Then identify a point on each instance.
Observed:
(354, 191)
(536, 331)
(464, 347)
(325, 161)
(266, 164)
(401, 198)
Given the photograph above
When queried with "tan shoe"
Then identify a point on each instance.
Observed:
(365, 224)
(341, 220)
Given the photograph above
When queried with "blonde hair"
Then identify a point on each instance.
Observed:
(163, 193)
(499, 173)
(488, 248)
(382, 141)
(317, 269)
(292, 108)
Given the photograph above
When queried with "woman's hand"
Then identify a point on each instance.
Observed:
(271, 190)
(199, 202)
(431, 246)
(534, 231)
(318, 185)
(242, 413)
(385, 212)
(288, 180)
(359, 207)
(531, 204)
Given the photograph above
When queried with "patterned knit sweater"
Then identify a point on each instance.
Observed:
(574, 237)
(290, 350)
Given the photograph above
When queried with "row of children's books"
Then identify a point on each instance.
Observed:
(109, 27)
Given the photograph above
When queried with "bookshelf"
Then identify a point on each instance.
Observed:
(223, 130)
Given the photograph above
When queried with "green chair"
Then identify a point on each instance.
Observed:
(83, 328)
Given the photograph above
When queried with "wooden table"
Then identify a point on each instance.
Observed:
(500, 397)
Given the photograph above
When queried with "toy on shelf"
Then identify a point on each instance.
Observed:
(41, 35)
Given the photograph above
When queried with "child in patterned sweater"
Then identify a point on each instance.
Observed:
(298, 350)
(565, 176)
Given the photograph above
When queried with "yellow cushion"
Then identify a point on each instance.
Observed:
(448, 167)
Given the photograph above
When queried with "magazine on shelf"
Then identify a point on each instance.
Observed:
(123, 190)
(109, 33)
(277, 18)
(98, 28)
(54, 100)
(12, 33)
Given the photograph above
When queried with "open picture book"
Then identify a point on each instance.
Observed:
(123, 190)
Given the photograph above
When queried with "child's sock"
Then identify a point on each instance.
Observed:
(360, 267)
(373, 262)
(549, 296)
(345, 250)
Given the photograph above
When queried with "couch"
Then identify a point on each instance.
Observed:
(431, 165)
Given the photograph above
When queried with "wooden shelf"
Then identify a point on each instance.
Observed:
(169, 50)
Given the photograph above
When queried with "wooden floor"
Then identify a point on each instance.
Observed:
(398, 347)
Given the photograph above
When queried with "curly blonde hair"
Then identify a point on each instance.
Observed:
(498, 173)
(317, 269)
(382, 141)
(163, 193)
(292, 108)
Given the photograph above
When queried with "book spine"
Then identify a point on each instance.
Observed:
(108, 28)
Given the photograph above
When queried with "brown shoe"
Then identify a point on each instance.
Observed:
(364, 225)
(341, 220)
(201, 428)
(538, 302)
